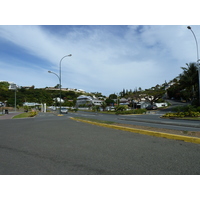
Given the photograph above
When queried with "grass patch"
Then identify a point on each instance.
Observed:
(95, 120)
(25, 115)
(22, 115)
(192, 118)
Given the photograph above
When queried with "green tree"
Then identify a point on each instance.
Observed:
(4, 85)
(112, 96)
(121, 107)
(174, 90)
(154, 94)
(57, 86)
(189, 81)
(104, 105)
(109, 101)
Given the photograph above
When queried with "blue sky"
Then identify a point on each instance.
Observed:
(105, 58)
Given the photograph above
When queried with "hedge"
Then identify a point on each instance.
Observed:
(135, 111)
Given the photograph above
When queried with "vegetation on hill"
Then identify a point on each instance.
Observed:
(183, 87)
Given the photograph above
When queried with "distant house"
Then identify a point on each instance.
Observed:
(12, 85)
(31, 104)
(66, 89)
(57, 99)
(28, 87)
(124, 101)
(88, 100)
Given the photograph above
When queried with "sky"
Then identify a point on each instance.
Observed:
(105, 58)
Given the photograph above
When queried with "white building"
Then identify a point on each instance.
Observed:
(12, 85)
(31, 104)
(88, 100)
(57, 99)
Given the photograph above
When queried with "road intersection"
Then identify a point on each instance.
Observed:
(49, 144)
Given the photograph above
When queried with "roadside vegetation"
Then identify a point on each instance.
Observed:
(119, 110)
(123, 110)
(187, 111)
(185, 87)
(25, 115)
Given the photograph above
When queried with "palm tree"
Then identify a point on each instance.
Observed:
(189, 80)
(104, 105)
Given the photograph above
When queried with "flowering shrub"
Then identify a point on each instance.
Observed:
(32, 113)
(182, 114)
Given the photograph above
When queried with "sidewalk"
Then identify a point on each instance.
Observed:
(10, 115)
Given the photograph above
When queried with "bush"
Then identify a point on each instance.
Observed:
(182, 114)
(139, 111)
(121, 108)
(73, 109)
(186, 108)
(32, 113)
(135, 111)
(95, 108)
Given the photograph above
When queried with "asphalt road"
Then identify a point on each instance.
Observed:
(50, 145)
(151, 120)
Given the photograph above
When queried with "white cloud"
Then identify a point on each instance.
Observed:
(104, 59)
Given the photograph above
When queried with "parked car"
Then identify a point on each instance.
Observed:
(151, 107)
(64, 110)
(110, 108)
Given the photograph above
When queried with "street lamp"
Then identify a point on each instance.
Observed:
(15, 97)
(59, 76)
(189, 27)
(55, 74)
(60, 86)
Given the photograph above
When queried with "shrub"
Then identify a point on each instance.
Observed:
(32, 113)
(135, 111)
(73, 109)
(186, 108)
(95, 108)
(182, 114)
(139, 111)
(121, 108)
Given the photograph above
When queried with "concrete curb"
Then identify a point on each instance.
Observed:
(162, 122)
(145, 132)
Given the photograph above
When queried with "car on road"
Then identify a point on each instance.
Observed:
(151, 107)
(110, 108)
(64, 110)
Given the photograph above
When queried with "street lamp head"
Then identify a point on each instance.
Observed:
(189, 27)
(70, 55)
(50, 71)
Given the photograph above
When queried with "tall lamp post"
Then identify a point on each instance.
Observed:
(189, 27)
(59, 77)
(59, 84)
(15, 97)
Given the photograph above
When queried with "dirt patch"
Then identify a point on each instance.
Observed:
(177, 132)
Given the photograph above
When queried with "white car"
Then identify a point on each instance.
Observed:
(64, 110)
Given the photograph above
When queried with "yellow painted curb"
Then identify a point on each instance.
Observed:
(145, 132)
(59, 115)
